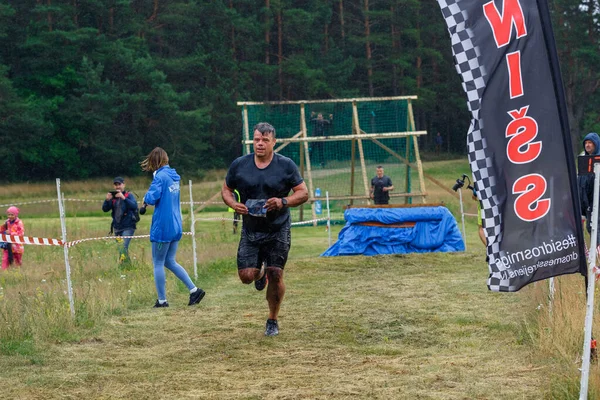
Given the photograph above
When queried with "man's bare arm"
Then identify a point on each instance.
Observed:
(229, 199)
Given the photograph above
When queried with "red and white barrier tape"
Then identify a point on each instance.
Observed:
(30, 240)
(595, 269)
(100, 201)
(57, 242)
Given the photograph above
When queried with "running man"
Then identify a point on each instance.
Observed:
(264, 180)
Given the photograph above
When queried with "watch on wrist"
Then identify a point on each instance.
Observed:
(283, 202)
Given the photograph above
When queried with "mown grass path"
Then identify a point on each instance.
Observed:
(421, 326)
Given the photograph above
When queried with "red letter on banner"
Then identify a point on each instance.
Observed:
(515, 80)
(521, 131)
(528, 205)
(512, 14)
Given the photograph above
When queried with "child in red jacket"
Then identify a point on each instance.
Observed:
(13, 226)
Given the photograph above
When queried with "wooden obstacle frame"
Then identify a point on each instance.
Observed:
(356, 137)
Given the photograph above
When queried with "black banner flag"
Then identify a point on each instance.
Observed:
(518, 142)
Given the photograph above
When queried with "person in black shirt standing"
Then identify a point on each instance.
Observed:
(381, 186)
(264, 180)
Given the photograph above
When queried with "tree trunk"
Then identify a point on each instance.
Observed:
(280, 52)
(342, 28)
(419, 59)
(368, 48)
(49, 17)
(111, 19)
(419, 72)
(326, 37)
(267, 46)
(232, 34)
(267, 32)
(234, 55)
(154, 12)
(75, 16)
(395, 52)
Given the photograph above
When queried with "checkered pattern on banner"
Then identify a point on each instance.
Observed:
(474, 76)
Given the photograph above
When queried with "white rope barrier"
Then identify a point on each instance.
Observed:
(308, 222)
(232, 220)
(27, 202)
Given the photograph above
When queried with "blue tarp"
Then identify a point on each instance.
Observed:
(435, 230)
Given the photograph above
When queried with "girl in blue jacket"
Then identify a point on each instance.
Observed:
(166, 229)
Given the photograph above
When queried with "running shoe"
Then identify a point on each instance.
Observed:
(261, 283)
(272, 328)
(159, 305)
(196, 297)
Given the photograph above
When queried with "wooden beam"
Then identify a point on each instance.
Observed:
(277, 150)
(362, 196)
(382, 225)
(356, 136)
(350, 100)
(399, 205)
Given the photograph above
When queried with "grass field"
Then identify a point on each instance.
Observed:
(417, 326)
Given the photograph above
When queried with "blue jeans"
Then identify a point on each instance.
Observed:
(126, 232)
(163, 255)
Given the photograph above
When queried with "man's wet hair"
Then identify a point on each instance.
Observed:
(265, 128)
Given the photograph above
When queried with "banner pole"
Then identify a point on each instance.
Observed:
(462, 217)
(63, 225)
(589, 315)
(328, 219)
(193, 229)
(550, 294)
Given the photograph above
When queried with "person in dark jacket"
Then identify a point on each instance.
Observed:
(166, 229)
(591, 146)
(123, 207)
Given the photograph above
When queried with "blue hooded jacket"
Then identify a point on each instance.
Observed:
(163, 194)
(586, 182)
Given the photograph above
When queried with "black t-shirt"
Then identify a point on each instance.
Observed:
(378, 184)
(276, 180)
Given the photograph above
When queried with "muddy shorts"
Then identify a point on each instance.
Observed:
(258, 247)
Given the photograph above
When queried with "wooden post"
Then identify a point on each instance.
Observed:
(407, 187)
(407, 200)
(193, 230)
(352, 167)
(411, 120)
(246, 128)
(301, 148)
(360, 150)
(307, 157)
(63, 225)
